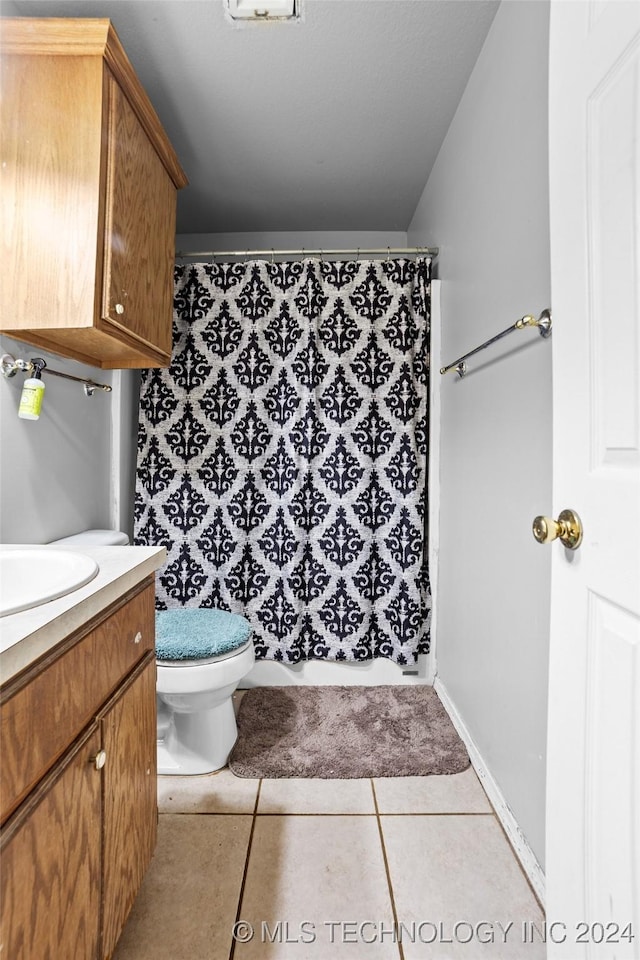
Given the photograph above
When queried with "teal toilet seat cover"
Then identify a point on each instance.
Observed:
(194, 634)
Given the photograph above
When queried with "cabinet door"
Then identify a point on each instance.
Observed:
(139, 231)
(130, 796)
(68, 690)
(50, 849)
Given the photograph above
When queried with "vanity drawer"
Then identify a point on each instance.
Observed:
(67, 691)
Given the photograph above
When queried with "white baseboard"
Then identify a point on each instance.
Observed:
(503, 812)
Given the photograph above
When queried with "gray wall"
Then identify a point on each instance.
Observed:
(338, 240)
(486, 206)
(55, 472)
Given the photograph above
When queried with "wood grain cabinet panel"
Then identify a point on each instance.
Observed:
(51, 864)
(129, 797)
(79, 773)
(89, 196)
(139, 230)
(67, 693)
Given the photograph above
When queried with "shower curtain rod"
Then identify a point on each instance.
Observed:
(358, 251)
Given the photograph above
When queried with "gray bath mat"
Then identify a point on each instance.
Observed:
(345, 732)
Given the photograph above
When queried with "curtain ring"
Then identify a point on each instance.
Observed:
(357, 254)
(321, 256)
(302, 253)
(388, 254)
(272, 254)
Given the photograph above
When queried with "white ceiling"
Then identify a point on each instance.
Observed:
(331, 123)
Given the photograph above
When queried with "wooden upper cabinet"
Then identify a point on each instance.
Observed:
(139, 230)
(89, 197)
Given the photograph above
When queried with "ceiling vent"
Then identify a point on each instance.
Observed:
(263, 9)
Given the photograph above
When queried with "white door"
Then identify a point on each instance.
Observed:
(593, 790)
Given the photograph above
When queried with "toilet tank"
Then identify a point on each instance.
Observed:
(96, 538)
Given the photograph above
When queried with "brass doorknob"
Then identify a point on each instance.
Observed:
(567, 528)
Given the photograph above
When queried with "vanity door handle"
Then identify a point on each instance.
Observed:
(99, 760)
(138, 637)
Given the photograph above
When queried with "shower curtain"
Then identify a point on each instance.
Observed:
(282, 456)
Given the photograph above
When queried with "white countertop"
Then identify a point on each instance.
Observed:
(27, 635)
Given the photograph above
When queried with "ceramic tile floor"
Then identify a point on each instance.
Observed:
(395, 869)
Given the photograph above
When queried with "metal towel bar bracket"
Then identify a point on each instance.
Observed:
(10, 366)
(543, 323)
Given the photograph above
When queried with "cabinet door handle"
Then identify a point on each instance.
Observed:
(99, 760)
(119, 309)
(138, 637)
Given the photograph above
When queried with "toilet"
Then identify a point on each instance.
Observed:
(196, 720)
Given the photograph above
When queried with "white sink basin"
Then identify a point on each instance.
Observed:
(31, 577)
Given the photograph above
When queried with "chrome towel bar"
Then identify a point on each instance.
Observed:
(543, 323)
(9, 366)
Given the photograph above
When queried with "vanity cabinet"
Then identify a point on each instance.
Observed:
(78, 786)
(128, 728)
(90, 183)
(50, 866)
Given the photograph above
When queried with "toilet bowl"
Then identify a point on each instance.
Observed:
(196, 720)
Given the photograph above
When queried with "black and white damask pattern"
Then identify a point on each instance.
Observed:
(282, 456)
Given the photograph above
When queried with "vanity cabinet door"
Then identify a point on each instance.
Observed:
(130, 811)
(51, 863)
(139, 231)
(68, 691)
